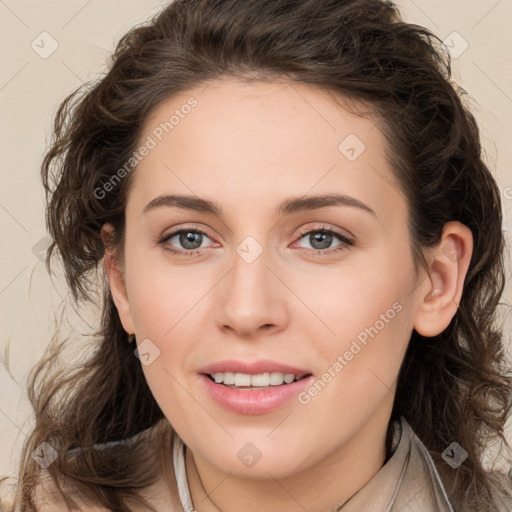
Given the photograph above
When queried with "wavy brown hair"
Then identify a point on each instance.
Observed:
(452, 387)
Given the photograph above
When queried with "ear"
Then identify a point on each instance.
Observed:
(440, 293)
(116, 279)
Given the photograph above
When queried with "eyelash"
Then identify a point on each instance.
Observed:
(346, 242)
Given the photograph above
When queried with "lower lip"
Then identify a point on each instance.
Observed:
(255, 400)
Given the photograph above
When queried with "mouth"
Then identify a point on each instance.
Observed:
(256, 387)
(247, 381)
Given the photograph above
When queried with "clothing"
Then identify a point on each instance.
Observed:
(407, 482)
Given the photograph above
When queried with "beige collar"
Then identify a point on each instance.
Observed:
(409, 481)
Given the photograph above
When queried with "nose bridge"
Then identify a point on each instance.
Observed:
(251, 297)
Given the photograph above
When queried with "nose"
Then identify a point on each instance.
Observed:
(252, 299)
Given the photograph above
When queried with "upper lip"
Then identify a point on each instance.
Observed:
(252, 367)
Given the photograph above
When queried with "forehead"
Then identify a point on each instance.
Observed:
(261, 138)
(241, 115)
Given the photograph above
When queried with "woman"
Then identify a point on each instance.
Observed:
(296, 227)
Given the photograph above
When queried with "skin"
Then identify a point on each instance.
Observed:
(248, 147)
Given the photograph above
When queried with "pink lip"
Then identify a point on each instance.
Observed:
(257, 400)
(252, 368)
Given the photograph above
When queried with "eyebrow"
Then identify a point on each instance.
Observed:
(287, 207)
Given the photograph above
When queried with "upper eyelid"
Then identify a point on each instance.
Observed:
(327, 227)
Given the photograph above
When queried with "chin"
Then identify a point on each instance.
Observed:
(261, 459)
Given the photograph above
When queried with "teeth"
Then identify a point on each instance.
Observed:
(262, 379)
(229, 378)
(259, 380)
(289, 378)
(276, 378)
(242, 379)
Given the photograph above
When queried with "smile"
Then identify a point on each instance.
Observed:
(260, 380)
(256, 387)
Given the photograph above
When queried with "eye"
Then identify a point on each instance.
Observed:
(190, 239)
(321, 239)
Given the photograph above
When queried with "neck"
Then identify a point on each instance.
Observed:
(323, 486)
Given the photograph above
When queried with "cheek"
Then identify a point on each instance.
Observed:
(368, 316)
(358, 296)
(165, 307)
(162, 294)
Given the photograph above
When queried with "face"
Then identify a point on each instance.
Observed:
(270, 280)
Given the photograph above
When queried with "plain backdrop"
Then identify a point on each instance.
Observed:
(51, 47)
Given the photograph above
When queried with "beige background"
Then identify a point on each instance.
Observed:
(31, 88)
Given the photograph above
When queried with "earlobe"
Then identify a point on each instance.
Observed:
(116, 280)
(440, 292)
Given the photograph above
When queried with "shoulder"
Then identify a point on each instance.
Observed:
(47, 497)
(163, 494)
(6, 506)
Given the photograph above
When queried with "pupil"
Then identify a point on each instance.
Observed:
(190, 237)
(323, 238)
